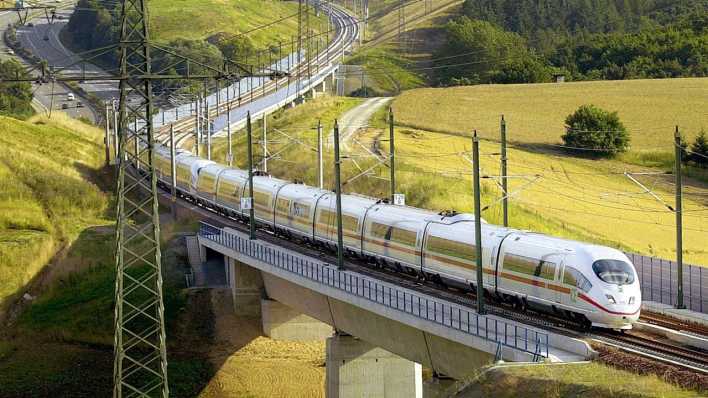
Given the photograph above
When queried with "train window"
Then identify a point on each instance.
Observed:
(546, 270)
(380, 231)
(404, 237)
(326, 218)
(350, 223)
(452, 248)
(227, 190)
(300, 210)
(573, 277)
(184, 172)
(283, 206)
(205, 182)
(614, 272)
(261, 198)
(570, 276)
(520, 264)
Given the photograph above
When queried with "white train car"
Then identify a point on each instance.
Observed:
(229, 191)
(295, 209)
(450, 250)
(187, 168)
(394, 234)
(207, 179)
(354, 208)
(573, 278)
(265, 190)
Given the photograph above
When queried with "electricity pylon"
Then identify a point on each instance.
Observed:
(140, 364)
(140, 361)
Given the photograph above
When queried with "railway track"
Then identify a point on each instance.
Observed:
(657, 350)
(346, 28)
(674, 324)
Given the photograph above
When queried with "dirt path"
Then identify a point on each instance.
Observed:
(356, 119)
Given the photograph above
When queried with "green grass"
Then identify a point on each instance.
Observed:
(586, 380)
(535, 113)
(589, 200)
(387, 69)
(45, 198)
(170, 18)
(584, 198)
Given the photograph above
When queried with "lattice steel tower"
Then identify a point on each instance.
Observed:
(140, 367)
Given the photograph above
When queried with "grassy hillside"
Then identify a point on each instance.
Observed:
(586, 380)
(169, 19)
(565, 196)
(45, 200)
(535, 113)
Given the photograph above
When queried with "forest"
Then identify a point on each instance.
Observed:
(520, 41)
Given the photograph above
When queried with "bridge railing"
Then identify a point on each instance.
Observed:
(421, 306)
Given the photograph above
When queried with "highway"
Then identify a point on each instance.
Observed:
(42, 39)
(46, 97)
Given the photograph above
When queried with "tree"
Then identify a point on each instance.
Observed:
(477, 51)
(529, 69)
(597, 130)
(15, 98)
(234, 47)
(699, 149)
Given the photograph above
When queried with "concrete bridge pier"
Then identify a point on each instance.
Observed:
(246, 287)
(356, 368)
(283, 323)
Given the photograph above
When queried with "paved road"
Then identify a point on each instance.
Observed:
(42, 39)
(356, 119)
(45, 96)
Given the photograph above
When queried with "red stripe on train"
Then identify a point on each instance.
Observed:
(593, 302)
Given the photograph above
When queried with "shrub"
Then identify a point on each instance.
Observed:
(597, 130)
(699, 149)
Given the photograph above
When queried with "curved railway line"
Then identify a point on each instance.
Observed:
(346, 32)
(658, 349)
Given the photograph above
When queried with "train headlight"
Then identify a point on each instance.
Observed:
(631, 300)
(611, 299)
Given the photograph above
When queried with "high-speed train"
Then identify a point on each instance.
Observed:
(592, 284)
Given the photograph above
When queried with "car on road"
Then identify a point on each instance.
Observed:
(64, 106)
(10, 51)
(70, 97)
(79, 104)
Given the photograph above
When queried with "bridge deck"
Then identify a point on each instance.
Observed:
(491, 334)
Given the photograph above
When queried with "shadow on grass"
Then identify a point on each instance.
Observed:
(60, 344)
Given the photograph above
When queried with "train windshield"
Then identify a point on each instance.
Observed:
(614, 272)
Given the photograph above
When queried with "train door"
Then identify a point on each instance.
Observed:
(559, 291)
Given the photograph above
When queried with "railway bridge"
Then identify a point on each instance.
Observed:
(380, 332)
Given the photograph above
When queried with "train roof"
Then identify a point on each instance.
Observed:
(232, 174)
(192, 160)
(294, 190)
(587, 251)
(214, 168)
